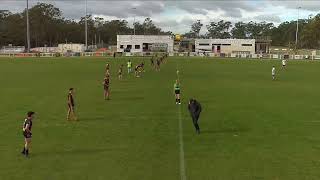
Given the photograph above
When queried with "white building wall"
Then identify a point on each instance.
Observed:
(133, 40)
(12, 49)
(63, 48)
(46, 49)
(241, 46)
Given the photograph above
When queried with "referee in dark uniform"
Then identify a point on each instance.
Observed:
(195, 109)
(27, 126)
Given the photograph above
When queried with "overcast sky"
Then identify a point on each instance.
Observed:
(177, 16)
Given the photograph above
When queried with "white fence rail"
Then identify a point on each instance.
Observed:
(183, 54)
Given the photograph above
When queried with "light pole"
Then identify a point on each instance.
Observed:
(86, 27)
(310, 17)
(97, 24)
(297, 30)
(28, 28)
(134, 22)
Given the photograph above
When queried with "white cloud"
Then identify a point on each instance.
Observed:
(177, 16)
(307, 5)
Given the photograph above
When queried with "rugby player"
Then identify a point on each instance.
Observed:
(70, 101)
(106, 84)
(27, 126)
(177, 92)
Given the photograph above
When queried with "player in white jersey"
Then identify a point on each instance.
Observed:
(273, 72)
(284, 63)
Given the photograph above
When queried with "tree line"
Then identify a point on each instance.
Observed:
(282, 35)
(48, 28)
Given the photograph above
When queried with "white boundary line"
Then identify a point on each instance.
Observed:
(183, 175)
(182, 161)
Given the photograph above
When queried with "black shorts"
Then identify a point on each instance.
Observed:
(283, 65)
(177, 91)
(106, 88)
(27, 135)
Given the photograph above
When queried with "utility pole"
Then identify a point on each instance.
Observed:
(297, 30)
(134, 22)
(28, 28)
(134, 27)
(86, 28)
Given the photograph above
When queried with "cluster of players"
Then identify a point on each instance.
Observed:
(194, 106)
(157, 61)
(71, 115)
(273, 70)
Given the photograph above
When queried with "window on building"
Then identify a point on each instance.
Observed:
(129, 46)
(246, 44)
(202, 44)
(121, 46)
(137, 46)
(226, 44)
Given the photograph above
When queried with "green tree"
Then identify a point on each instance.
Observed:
(310, 34)
(285, 33)
(219, 29)
(239, 30)
(44, 19)
(195, 29)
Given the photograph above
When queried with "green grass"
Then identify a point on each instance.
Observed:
(252, 127)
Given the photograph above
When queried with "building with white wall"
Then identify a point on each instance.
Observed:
(144, 43)
(63, 48)
(12, 49)
(45, 49)
(238, 46)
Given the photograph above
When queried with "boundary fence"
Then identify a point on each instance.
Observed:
(184, 54)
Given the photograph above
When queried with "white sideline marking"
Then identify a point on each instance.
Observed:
(182, 162)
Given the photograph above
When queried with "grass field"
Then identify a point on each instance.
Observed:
(252, 128)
